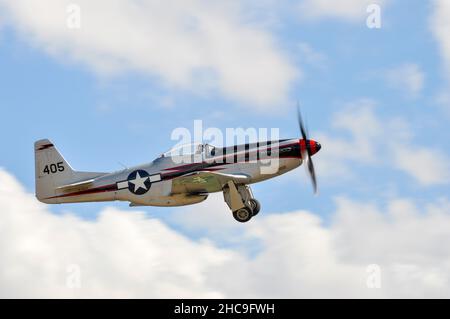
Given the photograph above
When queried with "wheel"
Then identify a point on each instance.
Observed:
(255, 206)
(243, 215)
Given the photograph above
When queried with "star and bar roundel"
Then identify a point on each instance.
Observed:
(139, 182)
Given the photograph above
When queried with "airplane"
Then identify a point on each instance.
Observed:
(182, 176)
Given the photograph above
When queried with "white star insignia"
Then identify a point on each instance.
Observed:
(139, 182)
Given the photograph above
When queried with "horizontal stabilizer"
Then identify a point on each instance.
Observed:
(82, 184)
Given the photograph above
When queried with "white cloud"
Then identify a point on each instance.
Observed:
(407, 78)
(190, 45)
(428, 166)
(373, 141)
(120, 255)
(344, 9)
(384, 234)
(128, 254)
(312, 56)
(341, 151)
(442, 100)
(440, 26)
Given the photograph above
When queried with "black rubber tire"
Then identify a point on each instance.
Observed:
(243, 215)
(255, 206)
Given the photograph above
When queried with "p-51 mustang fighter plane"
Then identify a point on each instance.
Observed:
(177, 178)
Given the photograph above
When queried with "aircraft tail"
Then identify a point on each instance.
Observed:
(52, 171)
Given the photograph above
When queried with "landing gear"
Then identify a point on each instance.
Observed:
(241, 202)
(243, 215)
(255, 206)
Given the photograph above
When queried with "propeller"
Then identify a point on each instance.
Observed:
(306, 152)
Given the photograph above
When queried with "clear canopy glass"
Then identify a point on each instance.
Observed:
(189, 149)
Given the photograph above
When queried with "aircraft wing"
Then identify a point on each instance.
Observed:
(205, 182)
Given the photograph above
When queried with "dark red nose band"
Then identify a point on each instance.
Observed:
(313, 146)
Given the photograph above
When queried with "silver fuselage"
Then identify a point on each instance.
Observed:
(257, 161)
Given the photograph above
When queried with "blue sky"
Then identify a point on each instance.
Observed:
(99, 121)
(375, 98)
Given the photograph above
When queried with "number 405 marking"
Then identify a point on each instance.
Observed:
(54, 168)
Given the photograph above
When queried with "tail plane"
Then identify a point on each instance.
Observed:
(53, 172)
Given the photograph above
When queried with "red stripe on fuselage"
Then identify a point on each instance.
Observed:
(241, 153)
(178, 172)
(101, 189)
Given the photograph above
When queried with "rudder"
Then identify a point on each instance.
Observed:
(51, 169)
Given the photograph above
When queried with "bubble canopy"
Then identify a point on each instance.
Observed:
(189, 149)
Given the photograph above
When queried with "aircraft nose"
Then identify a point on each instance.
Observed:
(318, 146)
(314, 146)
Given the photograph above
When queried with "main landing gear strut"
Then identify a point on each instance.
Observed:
(241, 201)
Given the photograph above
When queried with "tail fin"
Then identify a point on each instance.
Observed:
(53, 171)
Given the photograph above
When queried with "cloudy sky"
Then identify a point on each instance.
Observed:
(113, 90)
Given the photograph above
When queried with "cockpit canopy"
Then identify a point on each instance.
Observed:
(190, 149)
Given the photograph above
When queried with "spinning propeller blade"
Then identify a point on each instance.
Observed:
(306, 152)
